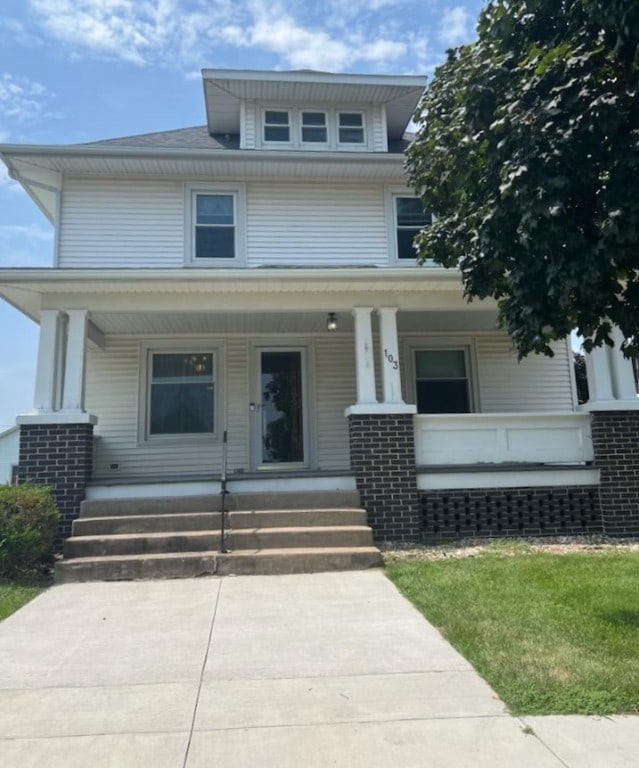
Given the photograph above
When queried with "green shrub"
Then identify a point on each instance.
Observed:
(28, 526)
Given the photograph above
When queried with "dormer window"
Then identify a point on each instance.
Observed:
(277, 125)
(314, 128)
(350, 129)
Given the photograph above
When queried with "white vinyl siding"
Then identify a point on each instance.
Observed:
(537, 383)
(316, 224)
(142, 224)
(380, 140)
(122, 224)
(248, 125)
(335, 391)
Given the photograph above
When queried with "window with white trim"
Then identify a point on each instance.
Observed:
(214, 226)
(180, 393)
(314, 128)
(214, 223)
(277, 125)
(409, 219)
(442, 382)
(350, 128)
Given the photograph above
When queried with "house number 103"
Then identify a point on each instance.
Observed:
(391, 359)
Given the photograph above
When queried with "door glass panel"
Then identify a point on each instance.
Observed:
(282, 412)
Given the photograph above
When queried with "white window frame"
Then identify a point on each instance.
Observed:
(391, 194)
(332, 113)
(327, 127)
(146, 352)
(290, 125)
(338, 125)
(238, 193)
(441, 344)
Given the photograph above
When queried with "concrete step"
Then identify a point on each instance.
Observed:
(123, 568)
(315, 536)
(211, 503)
(141, 544)
(200, 521)
(302, 560)
(287, 518)
(189, 564)
(183, 521)
(200, 541)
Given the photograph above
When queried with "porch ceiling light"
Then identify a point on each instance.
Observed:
(331, 322)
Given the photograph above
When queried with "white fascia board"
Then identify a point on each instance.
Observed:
(160, 162)
(26, 151)
(183, 276)
(261, 75)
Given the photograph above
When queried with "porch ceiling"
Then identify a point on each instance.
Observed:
(279, 323)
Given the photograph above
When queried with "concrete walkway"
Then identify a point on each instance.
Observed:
(311, 671)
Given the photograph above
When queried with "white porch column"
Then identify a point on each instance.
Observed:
(389, 347)
(599, 378)
(623, 379)
(364, 360)
(74, 372)
(47, 372)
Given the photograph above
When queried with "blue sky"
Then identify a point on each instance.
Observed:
(82, 70)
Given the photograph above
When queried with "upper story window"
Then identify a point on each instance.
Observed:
(314, 128)
(409, 218)
(277, 125)
(350, 129)
(214, 224)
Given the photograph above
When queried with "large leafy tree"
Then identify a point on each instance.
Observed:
(528, 153)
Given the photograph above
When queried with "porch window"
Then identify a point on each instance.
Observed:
(181, 398)
(441, 381)
(277, 125)
(350, 128)
(410, 218)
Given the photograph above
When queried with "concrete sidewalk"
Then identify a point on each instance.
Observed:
(332, 669)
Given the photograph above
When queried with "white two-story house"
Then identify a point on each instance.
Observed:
(254, 279)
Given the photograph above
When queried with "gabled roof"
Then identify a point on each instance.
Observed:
(224, 90)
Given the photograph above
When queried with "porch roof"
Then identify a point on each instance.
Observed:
(267, 292)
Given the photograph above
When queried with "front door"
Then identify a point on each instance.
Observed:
(279, 408)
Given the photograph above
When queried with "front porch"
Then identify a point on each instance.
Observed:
(306, 407)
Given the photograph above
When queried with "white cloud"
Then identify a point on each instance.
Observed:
(455, 27)
(25, 245)
(21, 99)
(188, 32)
(120, 28)
(22, 102)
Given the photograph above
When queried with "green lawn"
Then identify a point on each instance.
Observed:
(14, 595)
(550, 633)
